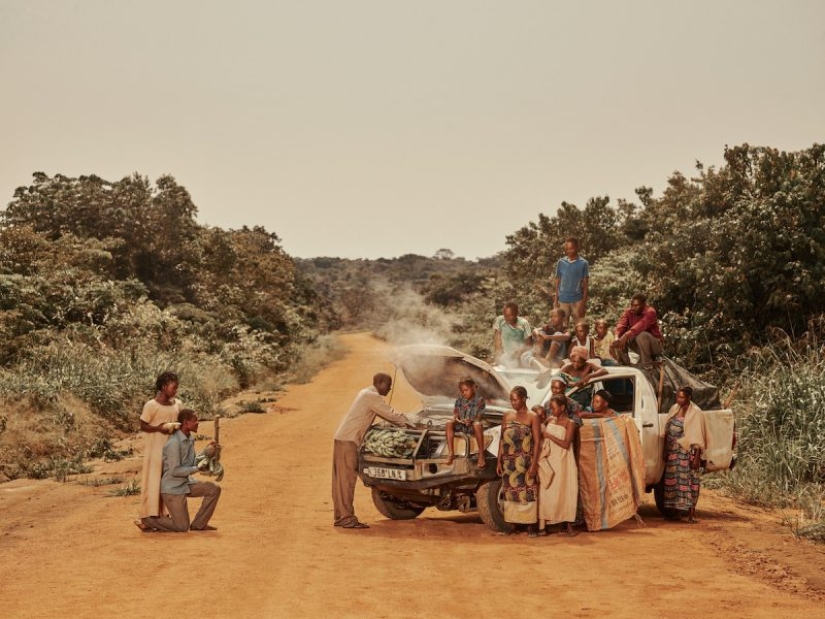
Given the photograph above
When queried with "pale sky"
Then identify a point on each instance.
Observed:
(366, 129)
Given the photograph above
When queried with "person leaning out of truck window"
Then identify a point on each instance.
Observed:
(600, 405)
(685, 444)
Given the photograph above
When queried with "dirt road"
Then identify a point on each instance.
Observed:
(69, 550)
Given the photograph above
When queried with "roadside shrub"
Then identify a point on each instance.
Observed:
(781, 430)
(316, 355)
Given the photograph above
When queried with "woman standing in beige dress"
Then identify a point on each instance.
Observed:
(161, 409)
(558, 473)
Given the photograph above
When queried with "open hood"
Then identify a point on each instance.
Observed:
(434, 371)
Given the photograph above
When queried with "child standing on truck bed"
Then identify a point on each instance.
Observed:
(467, 415)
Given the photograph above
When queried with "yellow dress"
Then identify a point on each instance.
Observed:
(154, 413)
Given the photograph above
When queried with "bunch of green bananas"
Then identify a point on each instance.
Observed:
(389, 443)
(209, 462)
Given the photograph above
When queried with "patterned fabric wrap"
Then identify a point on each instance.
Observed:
(518, 490)
(681, 482)
(611, 471)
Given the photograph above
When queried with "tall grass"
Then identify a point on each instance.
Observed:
(781, 430)
(321, 352)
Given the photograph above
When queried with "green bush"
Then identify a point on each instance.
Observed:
(781, 432)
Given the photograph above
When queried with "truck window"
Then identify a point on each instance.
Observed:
(584, 396)
(622, 390)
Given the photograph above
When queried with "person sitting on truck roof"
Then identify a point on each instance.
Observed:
(600, 405)
(467, 415)
(638, 330)
(581, 337)
(580, 370)
(552, 340)
(511, 336)
(602, 341)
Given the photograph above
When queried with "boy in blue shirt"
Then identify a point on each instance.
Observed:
(572, 277)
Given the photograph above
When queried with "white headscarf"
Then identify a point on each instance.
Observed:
(695, 429)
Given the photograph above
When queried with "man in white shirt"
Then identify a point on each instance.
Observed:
(368, 403)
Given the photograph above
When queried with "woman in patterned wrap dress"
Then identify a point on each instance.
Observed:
(685, 443)
(518, 458)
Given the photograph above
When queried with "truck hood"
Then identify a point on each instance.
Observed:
(434, 371)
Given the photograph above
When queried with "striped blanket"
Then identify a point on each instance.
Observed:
(611, 471)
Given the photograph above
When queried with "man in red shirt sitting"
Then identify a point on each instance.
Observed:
(638, 329)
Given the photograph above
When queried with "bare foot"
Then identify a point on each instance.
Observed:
(481, 463)
(450, 459)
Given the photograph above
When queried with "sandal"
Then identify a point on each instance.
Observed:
(357, 525)
(143, 527)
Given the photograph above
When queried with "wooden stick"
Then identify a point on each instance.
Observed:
(217, 429)
(661, 385)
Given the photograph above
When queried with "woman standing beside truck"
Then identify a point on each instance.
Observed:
(685, 443)
(518, 461)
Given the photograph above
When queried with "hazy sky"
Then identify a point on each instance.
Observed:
(379, 128)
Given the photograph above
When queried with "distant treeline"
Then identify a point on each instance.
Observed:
(732, 259)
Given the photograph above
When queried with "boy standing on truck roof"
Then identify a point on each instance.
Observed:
(572, 277)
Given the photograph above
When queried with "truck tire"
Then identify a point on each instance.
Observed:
(489, 506)
(394, 510)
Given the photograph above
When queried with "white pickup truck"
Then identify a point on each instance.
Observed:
(407, 469)
(647, 397)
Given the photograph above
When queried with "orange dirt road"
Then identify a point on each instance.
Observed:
(70, 550)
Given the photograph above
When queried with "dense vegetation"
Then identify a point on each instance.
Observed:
(104, 284)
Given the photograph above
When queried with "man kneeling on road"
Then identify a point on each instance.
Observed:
(368, 403)
(176, 483)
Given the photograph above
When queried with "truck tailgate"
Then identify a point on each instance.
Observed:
(719, 452)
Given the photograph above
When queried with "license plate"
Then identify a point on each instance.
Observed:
(378, 472)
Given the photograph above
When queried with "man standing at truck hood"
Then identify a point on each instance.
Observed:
(367, 404)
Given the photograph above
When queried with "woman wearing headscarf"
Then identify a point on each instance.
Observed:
(685, 444)
(580, 369)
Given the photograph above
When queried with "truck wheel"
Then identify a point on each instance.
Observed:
(488, 501)
(394, 510)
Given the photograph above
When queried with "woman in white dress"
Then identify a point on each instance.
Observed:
(161, 409)
(558, 474)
